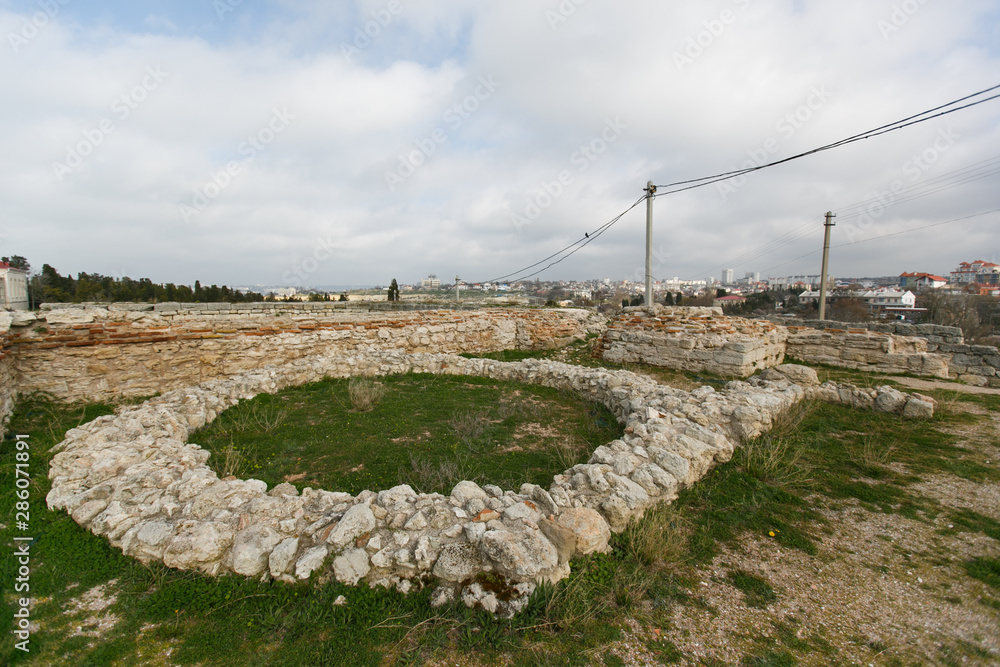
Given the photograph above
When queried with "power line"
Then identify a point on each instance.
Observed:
(961, 176)
(889, 127)
(884, 236)
(708, 180)
(577, 245)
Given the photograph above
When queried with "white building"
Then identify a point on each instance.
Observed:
(14, 287)
(430, 282)
(879, 300)
(967, 272)
(727, 277)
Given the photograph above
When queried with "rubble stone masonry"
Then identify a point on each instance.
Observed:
(126, 350)
(693, 339)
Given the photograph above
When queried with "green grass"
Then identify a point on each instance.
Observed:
(429, 431)
(771, 489)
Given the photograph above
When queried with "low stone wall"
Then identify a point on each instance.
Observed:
(8, 385)
(973, 364)
(693, 339)
(121, 350)
(861, 349)
(133, 478)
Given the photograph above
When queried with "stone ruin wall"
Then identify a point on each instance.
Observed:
(865, 350)
(133, 477)
(704, 340)
(8, 383)
(125, 350)
(977, 365)
(693, 339)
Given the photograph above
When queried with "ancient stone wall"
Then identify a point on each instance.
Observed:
(865, 350)
(973, 364)
(133, 478)
(693, 339)
(8, 386)
(122, 350)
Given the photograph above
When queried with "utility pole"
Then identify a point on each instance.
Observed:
(457, 300)
(826, 259)
(650, 191)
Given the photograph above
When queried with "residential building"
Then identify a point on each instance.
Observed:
(921, 281)
(727, 277)
(430, 282)
(882, 300)
(968, 272)
(728, 300)
(13, 287)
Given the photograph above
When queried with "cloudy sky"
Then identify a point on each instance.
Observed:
(302, 142)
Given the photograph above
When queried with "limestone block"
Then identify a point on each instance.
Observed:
(590, 529)
(351, 566)
(520, 555)
(459, 562)
(282, 556)
(252, 548)
(309, 561)
(356, 522)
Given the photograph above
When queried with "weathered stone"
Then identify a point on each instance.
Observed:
(282, 556)
(458, 562)
(591, 530)
(521, 555)
(466, 491)
(356, 522)
(309, 561)
(251, 549)
(351, 566)
(918, 409)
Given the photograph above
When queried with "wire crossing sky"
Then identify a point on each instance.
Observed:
(306, 143)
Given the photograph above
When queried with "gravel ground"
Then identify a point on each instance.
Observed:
(882, 589)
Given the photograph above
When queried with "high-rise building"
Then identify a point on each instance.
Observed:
(727, 277)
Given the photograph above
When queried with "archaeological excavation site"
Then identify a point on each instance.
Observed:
(139, 480)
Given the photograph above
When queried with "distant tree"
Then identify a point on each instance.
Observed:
(668, 300)
(17, 262)
(624, 303)
(393, 291)
(719, 293)
(678, 298)
(637, 300)
(315, 296)
(343, 296)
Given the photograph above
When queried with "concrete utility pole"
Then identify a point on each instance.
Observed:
(650, 191)
(457, 300)
(826, 258)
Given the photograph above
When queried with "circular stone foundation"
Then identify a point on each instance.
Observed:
(134, 479)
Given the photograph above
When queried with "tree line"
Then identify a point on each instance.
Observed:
(49, 286)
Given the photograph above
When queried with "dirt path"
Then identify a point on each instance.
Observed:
(915, 383)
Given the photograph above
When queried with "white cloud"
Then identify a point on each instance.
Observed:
(553, 92)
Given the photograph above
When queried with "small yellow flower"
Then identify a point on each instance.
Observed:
(771, 533)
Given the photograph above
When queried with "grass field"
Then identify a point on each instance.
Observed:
(94, 606)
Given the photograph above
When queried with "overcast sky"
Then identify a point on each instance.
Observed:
(301, 142)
